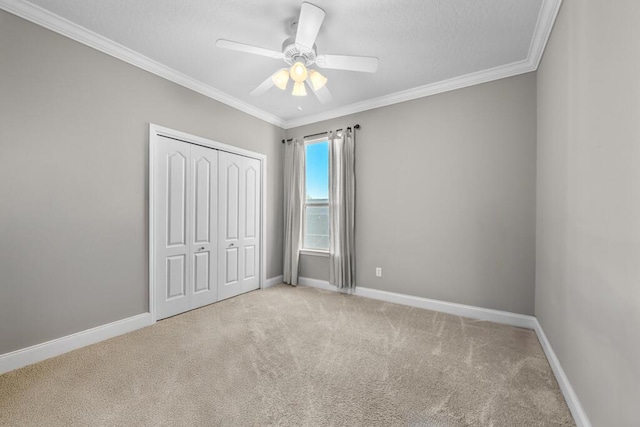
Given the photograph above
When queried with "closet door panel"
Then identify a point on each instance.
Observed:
(251, 211)
(172, 231)
(176, 193)
(231, 257)
(249, 262)
(240, 190)
(204, 214)
(232, 199)
(201, 272)
(250, 223)
(203, 198)
(230, 166)
(176, 277)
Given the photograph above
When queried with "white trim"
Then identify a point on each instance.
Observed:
(39, 352)
(53, 22)
(316, 139)
(152, 241)
(490, 315)
(315, 283)
(36, 353)
(156, 131)
(578, 412)
(193, 139)
(546, 18)
(497, 316)
(479, 313)
(311, 251)
(263, 225)
(484, 76)
(314, 252)
(272, 282)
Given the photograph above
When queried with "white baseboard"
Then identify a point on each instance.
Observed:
(497, 316)
(579, 415)
(39, 352)
(315, 283)
(27, 356)
(272, 282)
(490, 315)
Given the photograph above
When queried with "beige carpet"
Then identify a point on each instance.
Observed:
(295, 356)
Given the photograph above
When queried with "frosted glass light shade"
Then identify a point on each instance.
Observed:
(298, 72)
(299, 89)
(281, 78)
(317, 80)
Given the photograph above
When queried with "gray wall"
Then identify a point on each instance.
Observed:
(445, 196)
(74, 177)
(588, 227)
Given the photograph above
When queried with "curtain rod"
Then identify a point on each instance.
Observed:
(321, 133)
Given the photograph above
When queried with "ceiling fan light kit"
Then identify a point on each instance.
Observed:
(317, 80)
(298, 72)
(299, 89)
(280, 78)
(300, 52)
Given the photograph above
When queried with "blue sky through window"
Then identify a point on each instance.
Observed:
(317, 170)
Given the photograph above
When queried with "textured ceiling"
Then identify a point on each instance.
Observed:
(418, 42)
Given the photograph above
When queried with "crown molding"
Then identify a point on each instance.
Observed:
(62, 26)
(546, 18)
(467, 80)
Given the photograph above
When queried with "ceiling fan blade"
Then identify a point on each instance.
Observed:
(262, 87)
(323, 94)
(309, 23)
(367, 64)
(228, 44)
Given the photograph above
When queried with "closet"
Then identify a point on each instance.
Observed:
(206, 224)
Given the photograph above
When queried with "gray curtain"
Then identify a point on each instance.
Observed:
(293, 199)
(342, 197)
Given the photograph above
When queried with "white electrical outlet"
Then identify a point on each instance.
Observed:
(378, 271)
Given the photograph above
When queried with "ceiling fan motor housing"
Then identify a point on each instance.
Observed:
(294, 53)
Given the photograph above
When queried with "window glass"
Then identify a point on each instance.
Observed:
(316, 208)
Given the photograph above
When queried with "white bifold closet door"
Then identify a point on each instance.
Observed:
(186, 218)
(207, 226)
(239, 225)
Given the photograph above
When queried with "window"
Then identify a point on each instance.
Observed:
(316, 201)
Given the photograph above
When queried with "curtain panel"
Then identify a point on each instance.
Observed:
(342, 189)
(293, 205)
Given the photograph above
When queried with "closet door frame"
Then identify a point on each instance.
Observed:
(155, 133)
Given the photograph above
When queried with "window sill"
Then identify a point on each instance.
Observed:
(313, 252)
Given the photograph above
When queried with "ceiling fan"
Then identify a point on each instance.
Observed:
(299, 53)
